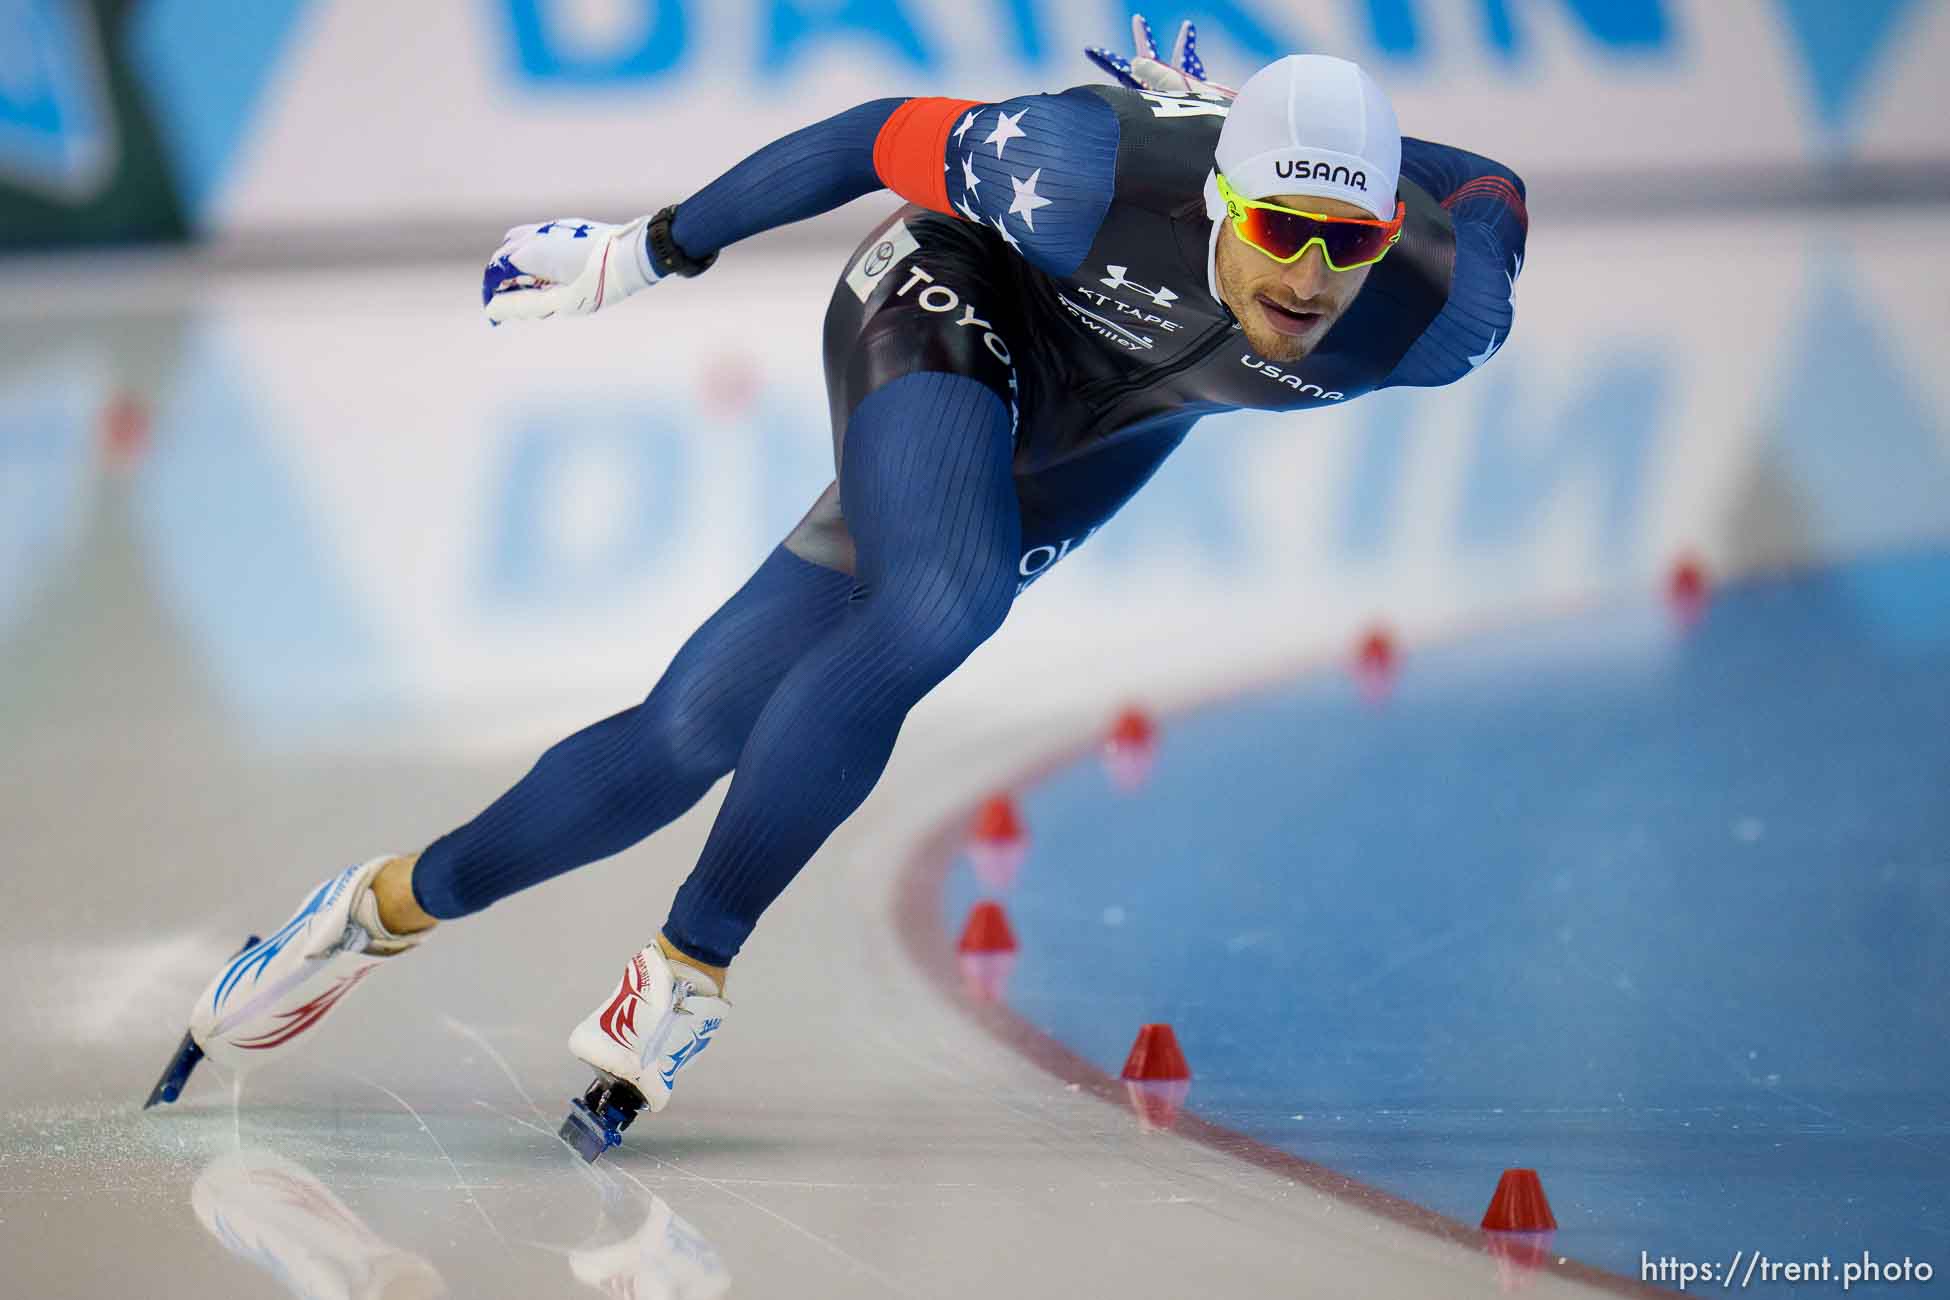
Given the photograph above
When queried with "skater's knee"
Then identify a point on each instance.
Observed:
(936, 623)
(688, 736)
(971, 613)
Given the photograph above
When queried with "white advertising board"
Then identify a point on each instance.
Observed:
(297, 113)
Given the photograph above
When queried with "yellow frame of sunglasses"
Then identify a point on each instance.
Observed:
(1237, 206)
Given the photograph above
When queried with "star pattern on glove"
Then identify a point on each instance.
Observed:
(1183, 73)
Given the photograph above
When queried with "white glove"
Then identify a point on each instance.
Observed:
(1183, 75)
(565, 267)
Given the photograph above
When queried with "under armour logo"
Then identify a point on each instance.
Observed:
(575, 232)
(1160, 296)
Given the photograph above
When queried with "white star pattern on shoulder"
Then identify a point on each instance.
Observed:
(966, 122)
(1005, 130)
(1490, 350)
(1027, 200)
(969, 212)
(969, 179)
(1007, 238)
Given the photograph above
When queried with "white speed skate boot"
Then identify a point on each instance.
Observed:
(661, 1015)
(276, 989)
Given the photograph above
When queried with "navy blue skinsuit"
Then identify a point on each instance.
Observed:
(1007, 360)
(1100, 325)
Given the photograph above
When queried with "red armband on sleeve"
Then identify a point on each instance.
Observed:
(910, 154)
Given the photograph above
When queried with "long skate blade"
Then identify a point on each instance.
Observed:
(177, 1072)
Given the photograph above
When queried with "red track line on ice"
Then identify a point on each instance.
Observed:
(918, 920)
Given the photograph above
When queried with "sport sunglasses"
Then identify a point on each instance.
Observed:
(1285, 234)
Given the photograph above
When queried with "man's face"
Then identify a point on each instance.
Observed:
(1287, 310)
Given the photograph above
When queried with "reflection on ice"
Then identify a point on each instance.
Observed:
(1157, 1102)
(985, 975)
(662, 1258)
(274, 1213)
(1518, 1256)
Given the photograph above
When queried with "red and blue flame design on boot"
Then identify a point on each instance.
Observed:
(276, 991)
(661, 1016)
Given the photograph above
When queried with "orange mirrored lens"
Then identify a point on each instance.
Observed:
(1347, 244)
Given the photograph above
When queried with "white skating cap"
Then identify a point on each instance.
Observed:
(1313, 124)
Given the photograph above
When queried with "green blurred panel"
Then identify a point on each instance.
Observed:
(126, 194)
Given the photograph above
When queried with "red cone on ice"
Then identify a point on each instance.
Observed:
(1686, 589)
(1376, 663)
(997, 842)
(1131, 750)
(987, 930)
(124, 431)
(1156, 1077)
(1519, 1204)
(1155, 1055)
(1133, 727)
(986, 952)
(996, 821)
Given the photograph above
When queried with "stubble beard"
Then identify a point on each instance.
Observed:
(1262, 338)
(1274, 346)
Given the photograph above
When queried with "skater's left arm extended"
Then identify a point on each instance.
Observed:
(1049, 162)
(576, 267)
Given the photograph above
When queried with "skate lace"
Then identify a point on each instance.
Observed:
(356, 938)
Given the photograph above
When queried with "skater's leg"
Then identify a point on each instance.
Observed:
(590, 796)
(929, 498)
(609, 785)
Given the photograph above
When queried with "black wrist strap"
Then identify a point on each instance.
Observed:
(670, 259)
